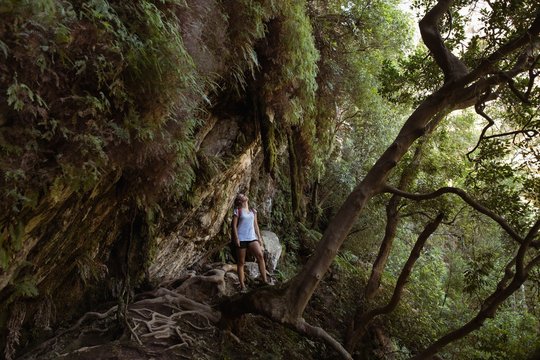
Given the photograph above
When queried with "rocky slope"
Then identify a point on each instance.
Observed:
(119, 173)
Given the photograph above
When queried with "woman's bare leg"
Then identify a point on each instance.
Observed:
(240, 266)
(255, 249)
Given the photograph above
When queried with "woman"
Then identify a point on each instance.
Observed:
(247, 237)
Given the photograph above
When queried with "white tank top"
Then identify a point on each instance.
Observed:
(246, 225)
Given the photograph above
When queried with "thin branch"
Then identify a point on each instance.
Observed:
(523, 97)
(528, 132)
(407, 268)
(486, 65)
(533, 263)
(508, 275)
(453, 220)
(360, 323)
(479, 108)
(520, 257)
(532, 76)
(463, 195)
(491, 304)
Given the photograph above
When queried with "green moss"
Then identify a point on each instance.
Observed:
(269, 145)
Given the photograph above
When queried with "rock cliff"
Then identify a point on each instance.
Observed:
(144, 129)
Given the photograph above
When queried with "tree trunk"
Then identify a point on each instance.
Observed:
(295, 178)
(302, 286)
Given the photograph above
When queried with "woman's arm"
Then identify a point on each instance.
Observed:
(235, 229)
(259, 237)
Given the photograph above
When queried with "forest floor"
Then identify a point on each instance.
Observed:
(178, 321)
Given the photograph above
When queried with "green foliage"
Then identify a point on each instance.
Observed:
(409, 79)
(122, 73)
(477, 273)
(20, 94)
(291, 84)
(347, 262)
(247, 24)
(282, 217)
(11, 242)
(512, 334)
(26, 288)
(353, 39)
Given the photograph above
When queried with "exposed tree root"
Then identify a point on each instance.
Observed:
(78, 351)
(317, 332)
(234, 337)
(94, 315)
(167, 320)
(45, 346)
(162, 317)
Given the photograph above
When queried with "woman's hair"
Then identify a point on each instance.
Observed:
(238, 200)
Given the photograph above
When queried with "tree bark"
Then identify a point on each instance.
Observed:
(304, 284)
(451, 66)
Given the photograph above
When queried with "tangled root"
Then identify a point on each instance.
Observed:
(161, 318)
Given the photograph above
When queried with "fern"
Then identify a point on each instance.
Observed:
(89, 269)
(27, 288)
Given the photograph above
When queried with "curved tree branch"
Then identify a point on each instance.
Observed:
(527, 132)
(392, 220)
(523, 97)
(407, 268)
(451, 65)
(479, 108)
(463, 195)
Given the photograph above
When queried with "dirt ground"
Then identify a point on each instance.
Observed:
(178, 321)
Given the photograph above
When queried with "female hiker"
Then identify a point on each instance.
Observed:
(246, 236)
